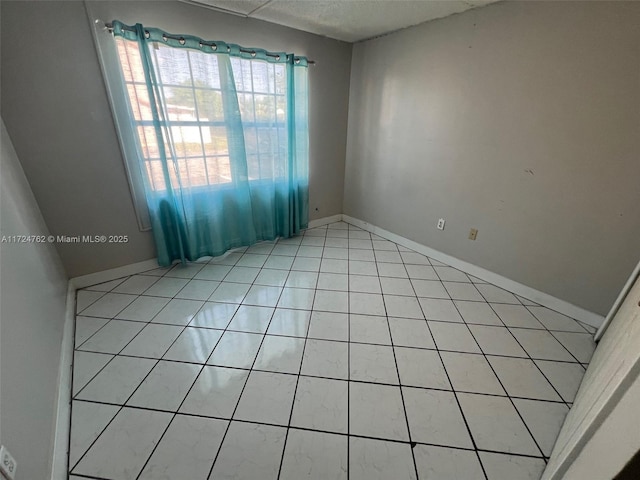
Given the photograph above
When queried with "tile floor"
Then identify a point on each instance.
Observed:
(332, 355)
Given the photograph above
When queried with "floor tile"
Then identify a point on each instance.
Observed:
(555, 321)
(405, 307)
(184, 271)
(250, 451)
(178, 312)
(125, 445)
(239, 274)
(314, 455)
(450, 274)
(213, 272)
(279, 263)
(434, 417)
(193, 345)
(409, 332)
(153, 341)
(379, 460)
(216, 392)
(309, 251)
(86, 327)
(453, 336)
(565, 377)
(113, 337)
(117, 381)
(298, 298)
(382, 402)
(471, 372)
(516, 316)
(499, 466)
(280, 354)
(326, 359)
(421, 272)
(541, 345)
(494, 294)
(331, 301)
(187, 449)
(329, 326)
(302, 279)
(335, 253)
(478, 312)
(108, 305)
(285, 250)
(388, 256)
(306, 264)
(463, 291)
(361, 255)
(88, 420)
(496, 341)
(421, 368)
(272, 278)
(85, 366)
(166, 287)
(429, 288)
(521, 378)
(372, 363)
(396, 286)
(321, 404)
(293, 323)
(414, 258)
(251, 319)
(435, 463)
(392, 270)
(544, 420)
(106, 286)
(336, 241)
(496, 425)
(362, 268)
(263, 248)
(267, 398)
(580, 345)
(364, 284)
(333, 281)
(384, 245)
(252, 260)
(84, 298)
(437, 309)
(369, 329)
(198, 290)
(229, 292)
(366, 303)
(135, 284)
(165, 387)
(236, 349)
(143, 309)
(214, 315)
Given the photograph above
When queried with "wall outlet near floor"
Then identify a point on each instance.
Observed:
(440, 224)
(8, 464)
(473, 233)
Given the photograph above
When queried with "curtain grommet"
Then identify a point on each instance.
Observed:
(147, 34)
(165, 38)
(182, 41)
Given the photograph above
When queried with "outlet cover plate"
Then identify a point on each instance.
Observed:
(8, 464)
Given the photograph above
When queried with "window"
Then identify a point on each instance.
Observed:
(193, 103)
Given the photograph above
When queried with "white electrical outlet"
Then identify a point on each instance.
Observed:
(441, 224)
(8, 465)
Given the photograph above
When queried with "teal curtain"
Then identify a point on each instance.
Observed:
(223, 140)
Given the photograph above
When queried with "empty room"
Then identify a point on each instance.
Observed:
(310, 239)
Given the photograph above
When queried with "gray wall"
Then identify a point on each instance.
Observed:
(520, 119)
(32, 313)
(55, 107)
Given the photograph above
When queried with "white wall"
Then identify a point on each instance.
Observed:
(55, 107)
(520, 119)
(33, 290)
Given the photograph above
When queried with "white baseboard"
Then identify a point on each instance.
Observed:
(63, 402)
(112, 274)
(325, 221)
(532, 294)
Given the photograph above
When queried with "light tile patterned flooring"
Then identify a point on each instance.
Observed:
(332, 355)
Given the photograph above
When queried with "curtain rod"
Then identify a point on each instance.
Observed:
(109, 27)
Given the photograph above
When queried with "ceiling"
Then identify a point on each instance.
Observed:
(347, 20)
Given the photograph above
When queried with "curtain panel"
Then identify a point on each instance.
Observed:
(222, 136)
